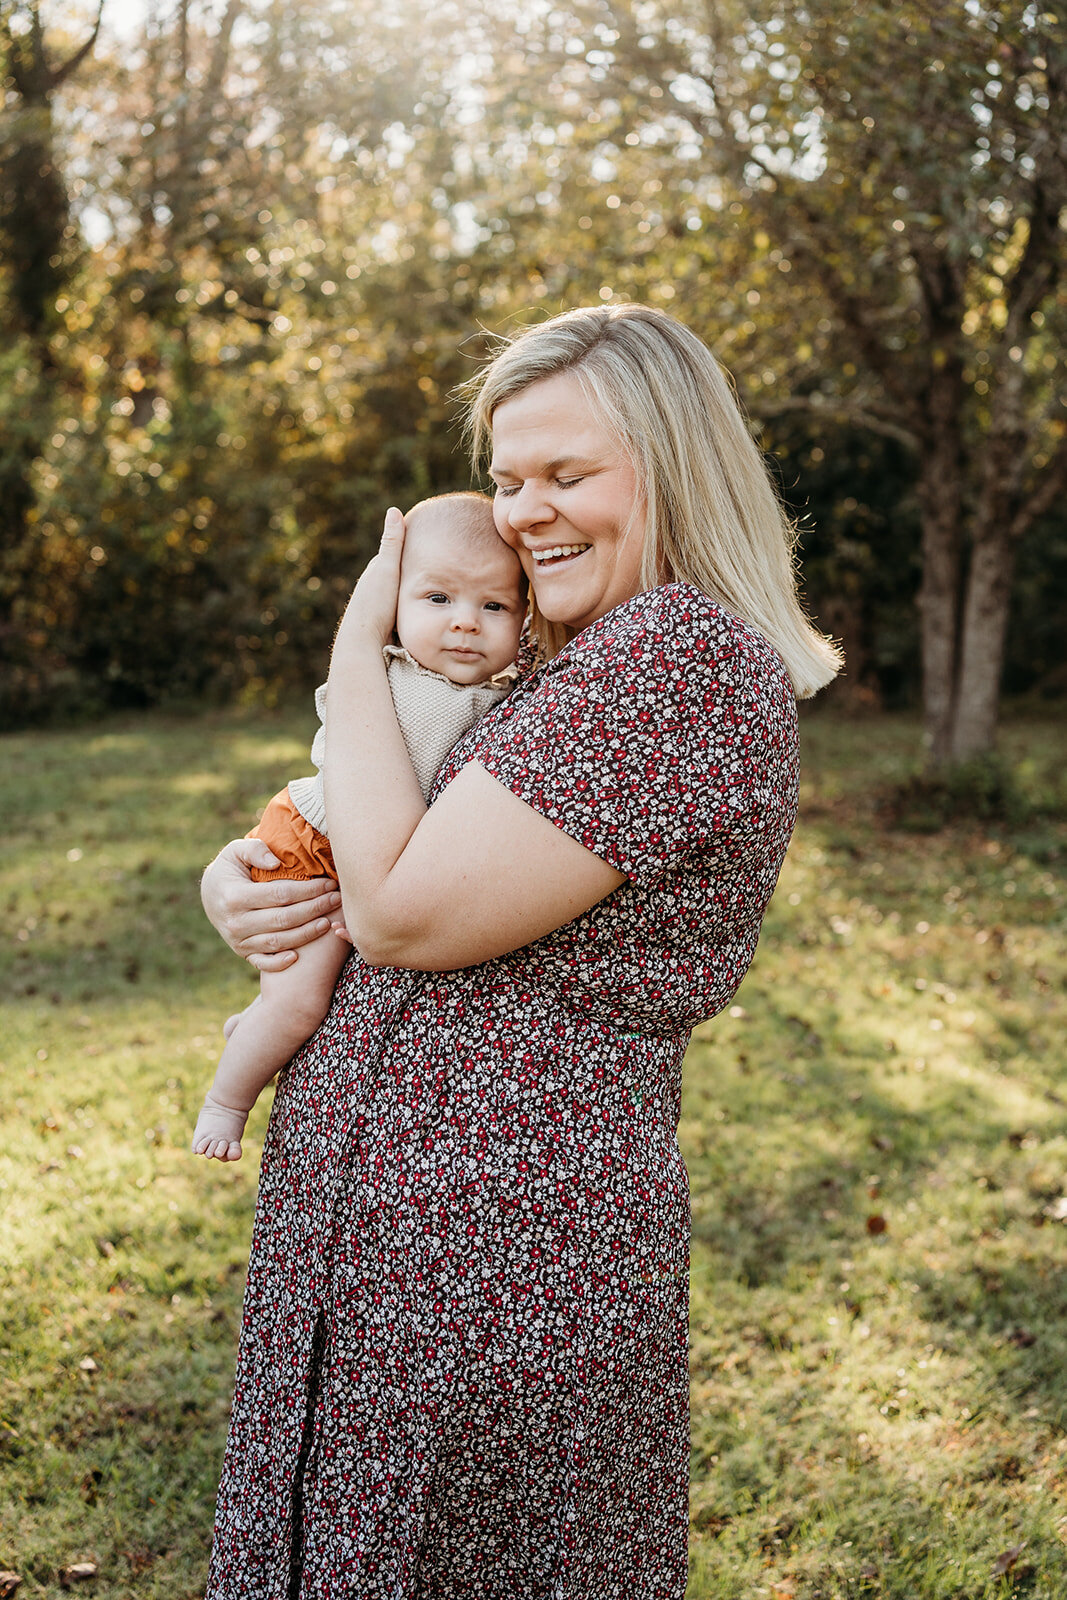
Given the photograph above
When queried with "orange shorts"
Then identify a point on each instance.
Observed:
(301, 849)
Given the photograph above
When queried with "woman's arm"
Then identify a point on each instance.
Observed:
(478, 874)
(481, 874)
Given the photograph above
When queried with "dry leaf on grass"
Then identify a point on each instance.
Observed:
(1007, 1560)
(9, 1582)
(77, 1572)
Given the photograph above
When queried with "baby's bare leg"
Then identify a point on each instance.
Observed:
(291, 1005)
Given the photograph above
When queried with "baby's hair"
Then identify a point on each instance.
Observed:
(464, 512)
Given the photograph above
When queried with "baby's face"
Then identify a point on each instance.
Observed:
(460, 610)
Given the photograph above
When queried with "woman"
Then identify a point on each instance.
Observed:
(463, 1363)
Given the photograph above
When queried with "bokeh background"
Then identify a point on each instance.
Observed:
(248, 247)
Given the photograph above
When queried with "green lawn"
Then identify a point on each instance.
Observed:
(876, 1135)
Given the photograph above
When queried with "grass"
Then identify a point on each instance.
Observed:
(875, 1132)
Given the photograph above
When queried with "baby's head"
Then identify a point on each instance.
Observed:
(462, 594)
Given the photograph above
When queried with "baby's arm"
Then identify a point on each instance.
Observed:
(291, 1005)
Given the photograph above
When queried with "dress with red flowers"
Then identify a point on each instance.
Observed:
(463, 1362)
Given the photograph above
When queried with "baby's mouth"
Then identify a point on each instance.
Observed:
(558, 553)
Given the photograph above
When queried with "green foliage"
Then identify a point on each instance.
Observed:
(875, 199)
(874, 1413)
(985, 789)
(270, 252)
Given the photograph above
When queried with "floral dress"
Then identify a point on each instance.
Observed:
(463, 1363)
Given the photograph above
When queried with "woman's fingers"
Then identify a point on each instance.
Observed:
(287, 927)
(264, 918)
(371, 612)
(392, 536)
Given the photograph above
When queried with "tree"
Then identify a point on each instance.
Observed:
(34, 208)
(224, 411)
(904, 167)
(37, 248)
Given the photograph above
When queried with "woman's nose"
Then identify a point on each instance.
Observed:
(528, 508)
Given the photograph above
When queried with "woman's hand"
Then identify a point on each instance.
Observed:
(371, 612)
(265, 922)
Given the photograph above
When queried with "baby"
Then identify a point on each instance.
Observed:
(460, 611)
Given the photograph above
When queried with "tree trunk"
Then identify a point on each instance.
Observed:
(940, 493)
(939, 606)
(985, 622)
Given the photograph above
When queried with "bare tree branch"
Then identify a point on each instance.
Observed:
(220, 55)
(61, 74)
(874, 420)
(1051, 486)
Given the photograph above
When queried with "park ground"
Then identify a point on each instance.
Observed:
(876, 1134)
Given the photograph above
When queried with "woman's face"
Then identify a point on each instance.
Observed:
(567, 502)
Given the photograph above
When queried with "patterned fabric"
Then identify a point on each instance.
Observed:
(463, 1363)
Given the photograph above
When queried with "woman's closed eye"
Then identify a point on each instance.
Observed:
(505, 490)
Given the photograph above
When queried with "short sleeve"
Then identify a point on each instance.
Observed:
(666, 728)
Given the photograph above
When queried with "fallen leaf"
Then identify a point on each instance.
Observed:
(877, 1224)
(77, 1572)
(87, 1364)
(9, 1582)
(1057, 1211)
(1007, 1560)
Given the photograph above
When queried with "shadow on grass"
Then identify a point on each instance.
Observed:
(852, 1185)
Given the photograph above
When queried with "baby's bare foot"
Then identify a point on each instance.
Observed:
(218, 1131)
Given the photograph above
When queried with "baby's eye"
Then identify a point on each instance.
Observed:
(493, 605)
(437, 599)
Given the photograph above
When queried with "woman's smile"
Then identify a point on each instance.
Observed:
(558, 553)
(567, 500)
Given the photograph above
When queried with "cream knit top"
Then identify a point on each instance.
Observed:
(433, 714)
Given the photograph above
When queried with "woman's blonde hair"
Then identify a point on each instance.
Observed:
(714, 519)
